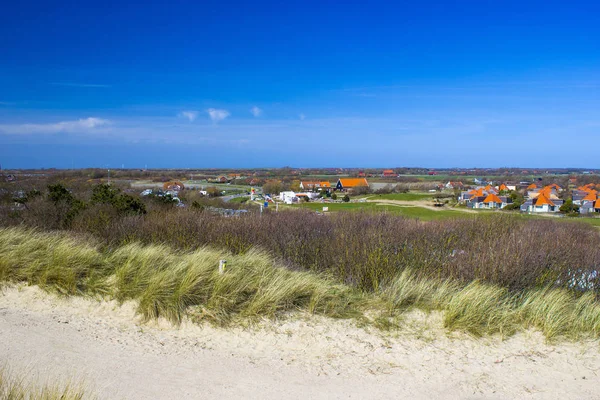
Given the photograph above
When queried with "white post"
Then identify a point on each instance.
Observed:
(261, 209)
(276, 207)
(222, 266)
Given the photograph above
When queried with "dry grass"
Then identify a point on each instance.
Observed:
(13, 387)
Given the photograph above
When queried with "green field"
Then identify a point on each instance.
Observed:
(407, 211)
(411, 196)
(426, 214)
(242, 199)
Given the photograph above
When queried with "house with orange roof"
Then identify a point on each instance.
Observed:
(543, 202)
(482, 198)
(389, 173)
(351, 183)
(590, 203)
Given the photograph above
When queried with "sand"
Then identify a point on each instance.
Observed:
(117, 356)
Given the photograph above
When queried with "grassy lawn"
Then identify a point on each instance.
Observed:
(411, 196)
(426, 214)
(239, 199)
(407, 211)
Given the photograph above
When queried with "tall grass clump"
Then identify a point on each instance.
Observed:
(14, 387)
(167, 285)
(170, 283)
(480, 309)
(51, 260)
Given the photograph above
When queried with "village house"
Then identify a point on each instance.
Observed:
(587, 199)
(290, 197)
(387, 173)
(314, 185)
(345, 184)
(581, 192)
(543, 200)
(484, 198)
(453, 185)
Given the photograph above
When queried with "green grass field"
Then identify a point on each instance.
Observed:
(411, 196)
(242, 199)
(407, 211)
(426, 214)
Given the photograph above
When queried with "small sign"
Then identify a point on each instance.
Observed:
(325, 209)
(266, 204)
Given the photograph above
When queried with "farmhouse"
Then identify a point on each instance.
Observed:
(388, 173)
(351, 183)
(314, 185)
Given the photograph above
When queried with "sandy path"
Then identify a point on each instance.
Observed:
(314, 358)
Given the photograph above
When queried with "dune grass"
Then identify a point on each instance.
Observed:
(173, 284)
(168, 283)
(13, 387)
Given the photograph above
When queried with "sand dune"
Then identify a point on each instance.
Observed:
(118, 356)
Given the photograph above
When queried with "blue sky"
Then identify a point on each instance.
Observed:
(270, 84)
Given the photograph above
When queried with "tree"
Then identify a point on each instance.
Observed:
(569, 207)
(272, 187)
(66, 205)
(123, 203)
(213, 191)
(346, 198)
(334, 196)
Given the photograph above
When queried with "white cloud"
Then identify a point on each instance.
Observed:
(191, 115)
(302, 117)
(80, 125)
(257, 112)
(217, 115)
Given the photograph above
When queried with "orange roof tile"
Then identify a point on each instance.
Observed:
(325, 184)
(542, 199)
(591, 196)
(492, 198)
(353, 182)
(503, 187)
(597, 204)
(532, 186)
